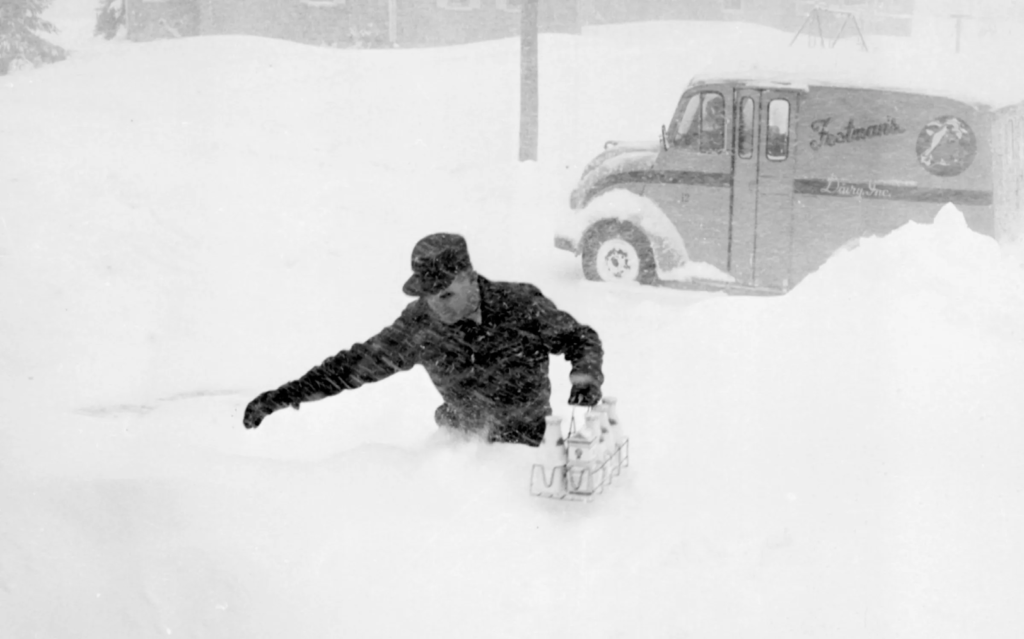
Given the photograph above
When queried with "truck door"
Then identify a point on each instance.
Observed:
(743, 217)
(759, 222)
(692, 177)
(776, 167)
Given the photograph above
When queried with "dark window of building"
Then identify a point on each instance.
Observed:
(458, 4)
(1012, 140)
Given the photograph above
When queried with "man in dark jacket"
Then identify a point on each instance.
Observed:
(484, 344)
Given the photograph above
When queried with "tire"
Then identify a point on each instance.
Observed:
(618, 253)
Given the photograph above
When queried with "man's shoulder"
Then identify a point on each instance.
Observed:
(523, 290)
(415, 313)
(515, 300)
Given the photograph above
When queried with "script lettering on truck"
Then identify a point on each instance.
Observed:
(851, 132)
(837, 186)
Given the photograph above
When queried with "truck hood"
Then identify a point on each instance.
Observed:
(618, 157)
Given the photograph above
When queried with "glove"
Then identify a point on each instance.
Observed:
(585, 394)
(446, 417)
(265, 404)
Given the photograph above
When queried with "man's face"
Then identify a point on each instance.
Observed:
(457, 302)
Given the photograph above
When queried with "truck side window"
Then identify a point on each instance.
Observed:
(745, 134)
(701, 127)
(712, 123)
(777, 146)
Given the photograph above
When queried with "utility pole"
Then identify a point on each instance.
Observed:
(393, 22)
(959, 17)
(529, 100)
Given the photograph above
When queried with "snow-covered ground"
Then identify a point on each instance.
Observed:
(185, 224)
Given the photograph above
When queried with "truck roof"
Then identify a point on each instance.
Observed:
(762, 79)
(971, 81)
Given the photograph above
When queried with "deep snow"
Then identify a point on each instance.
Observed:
(185, 224)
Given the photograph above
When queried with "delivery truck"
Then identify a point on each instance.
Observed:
(757, 180)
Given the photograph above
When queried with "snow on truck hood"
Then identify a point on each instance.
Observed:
(618, 157)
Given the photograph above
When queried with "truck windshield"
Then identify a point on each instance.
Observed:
(701, 127)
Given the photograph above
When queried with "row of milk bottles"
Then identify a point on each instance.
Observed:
(590, 454)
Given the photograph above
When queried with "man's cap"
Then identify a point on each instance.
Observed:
(436, 260)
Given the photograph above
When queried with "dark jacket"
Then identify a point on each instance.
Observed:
(493, 376)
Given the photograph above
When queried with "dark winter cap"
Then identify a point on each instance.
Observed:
(436, 260)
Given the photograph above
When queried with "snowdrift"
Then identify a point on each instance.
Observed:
(189, 223)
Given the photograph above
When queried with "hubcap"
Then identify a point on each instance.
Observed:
(617, 260)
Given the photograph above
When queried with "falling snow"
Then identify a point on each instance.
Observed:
(188, 223)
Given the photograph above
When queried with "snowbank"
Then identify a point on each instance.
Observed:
(189, 223)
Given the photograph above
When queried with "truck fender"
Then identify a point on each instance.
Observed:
(623, 207)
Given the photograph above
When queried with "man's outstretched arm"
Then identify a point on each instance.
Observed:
(390, 351)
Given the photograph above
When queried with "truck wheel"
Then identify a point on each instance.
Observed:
(618, 253)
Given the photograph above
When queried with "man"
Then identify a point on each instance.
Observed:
(712, 137)
(484, 344)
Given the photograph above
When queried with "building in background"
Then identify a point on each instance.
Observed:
(443, 22)
(439, 22)
(968, 25)
(888, 17)
(346, 23)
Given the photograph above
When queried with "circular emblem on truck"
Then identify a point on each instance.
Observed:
(946, 146)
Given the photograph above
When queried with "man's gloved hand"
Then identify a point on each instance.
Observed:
(446, 417)
(585, 391)
(265, 404)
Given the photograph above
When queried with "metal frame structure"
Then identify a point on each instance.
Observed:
(815, 16)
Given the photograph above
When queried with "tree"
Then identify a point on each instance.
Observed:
(110, 17)
(20, 20)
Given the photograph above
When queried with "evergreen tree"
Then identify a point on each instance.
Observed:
(109, 18)
(20, 20)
